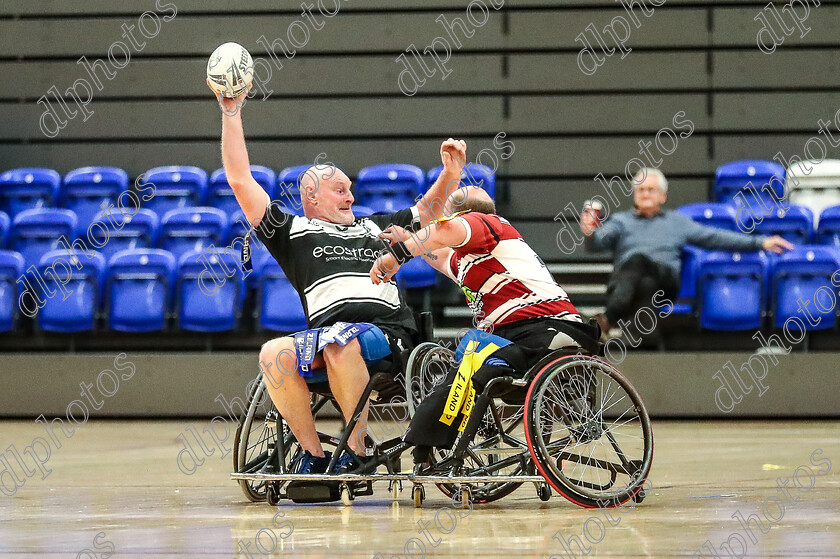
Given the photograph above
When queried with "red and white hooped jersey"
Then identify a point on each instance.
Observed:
(503, 278)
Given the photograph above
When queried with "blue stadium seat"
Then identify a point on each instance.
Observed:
(174, 187)
(361, 211)
(733, 177)
(138, 231)
(802, 276)
(190, 229)
(238, 227)
(828, 229)
(78, 311)
(5, 226)
(721, 216)
(390, 187)
(288, 193)
(472, 174)
(85, 190)
(690, 257)
(139, 289)
(28, 188)
(206, 305)
(36, 232)
(416, 274)
(11, 268)
(796, 225)
(278, 304)
(221, 196)
(732, 290)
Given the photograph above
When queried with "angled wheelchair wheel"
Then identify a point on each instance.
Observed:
(255, 434)
(427, 367)
(588, 431)
(257, 438)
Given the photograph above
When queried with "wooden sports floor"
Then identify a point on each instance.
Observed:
(115, 488)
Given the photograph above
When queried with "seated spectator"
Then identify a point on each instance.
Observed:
(646, 246)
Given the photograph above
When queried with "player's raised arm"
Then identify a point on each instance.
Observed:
(453, 155)
(250, 195)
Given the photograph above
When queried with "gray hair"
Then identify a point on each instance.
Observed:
(643, 173)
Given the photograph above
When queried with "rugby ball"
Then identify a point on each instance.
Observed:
(230, 69)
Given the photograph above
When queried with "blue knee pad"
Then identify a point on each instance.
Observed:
(374, 345)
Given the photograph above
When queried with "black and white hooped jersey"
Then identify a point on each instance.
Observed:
(329, 266)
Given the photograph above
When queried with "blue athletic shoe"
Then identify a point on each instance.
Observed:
(308, 464)
(350, 461)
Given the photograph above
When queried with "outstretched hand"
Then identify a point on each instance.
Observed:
(395, 234)
(776, 244)
(384, 268)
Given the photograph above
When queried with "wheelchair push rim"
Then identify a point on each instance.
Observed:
(427, 367)
(588, 431)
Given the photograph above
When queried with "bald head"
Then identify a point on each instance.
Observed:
(325, 194)
(317, 176)
(471, 198)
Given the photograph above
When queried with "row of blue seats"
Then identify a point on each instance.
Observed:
(737, 291)
(381, 187)
(35, 232)
(796, 224)
(734, 177)
(136, 290)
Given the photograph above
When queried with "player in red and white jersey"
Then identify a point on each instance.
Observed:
(503, 278)
(521, 313)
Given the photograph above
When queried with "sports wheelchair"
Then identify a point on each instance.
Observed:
(573, 423)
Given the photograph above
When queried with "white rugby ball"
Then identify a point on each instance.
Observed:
(230, 69)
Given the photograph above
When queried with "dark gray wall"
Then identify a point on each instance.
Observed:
(186, 384)
(517, 74)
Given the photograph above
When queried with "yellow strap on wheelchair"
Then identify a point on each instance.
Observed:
(455, 399)
(468, 407)
(462, 394)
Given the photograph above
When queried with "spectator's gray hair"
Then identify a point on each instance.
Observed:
(647, 171)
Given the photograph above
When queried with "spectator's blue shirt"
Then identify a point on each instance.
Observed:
(661, 237)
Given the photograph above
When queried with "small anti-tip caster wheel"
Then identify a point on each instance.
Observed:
(640, 496)
(272, 495)
(346, 495)
(466, 495)
(418, 494)
(544, 492)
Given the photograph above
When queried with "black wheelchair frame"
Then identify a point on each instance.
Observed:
(559, 395)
